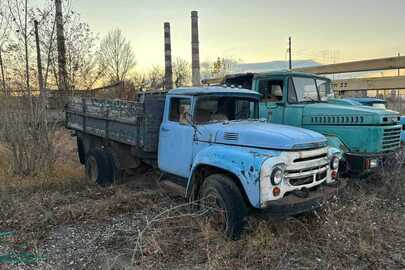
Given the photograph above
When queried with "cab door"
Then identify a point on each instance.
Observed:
(176, 137)
(272, 100)
(293, 113)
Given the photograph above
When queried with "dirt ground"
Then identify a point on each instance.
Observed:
(65, 222)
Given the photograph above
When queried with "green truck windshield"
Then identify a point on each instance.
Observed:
(309, 90)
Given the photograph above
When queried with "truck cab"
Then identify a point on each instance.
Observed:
(211, 143)
(367, 136)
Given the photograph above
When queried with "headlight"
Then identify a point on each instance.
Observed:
(276, 176)
(334, 163)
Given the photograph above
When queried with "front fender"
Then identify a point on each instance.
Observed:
(335, 145)
(241, 162)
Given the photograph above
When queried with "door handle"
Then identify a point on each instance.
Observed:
(165, 129)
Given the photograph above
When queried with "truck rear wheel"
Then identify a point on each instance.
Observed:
(98, 168)
(80, 151)
(224, 204)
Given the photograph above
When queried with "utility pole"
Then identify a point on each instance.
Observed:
(399, 90)
(399, 69)
(289, 54)
(39, 64)
(60, 37)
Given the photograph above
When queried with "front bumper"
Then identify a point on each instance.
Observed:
(293, 204)
(358, 164)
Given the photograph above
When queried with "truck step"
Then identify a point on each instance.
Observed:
(172, 187)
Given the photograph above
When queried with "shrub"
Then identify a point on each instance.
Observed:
(26, 135)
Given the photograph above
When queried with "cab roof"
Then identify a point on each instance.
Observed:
(213, 90)
(276, 73)
(288, 73)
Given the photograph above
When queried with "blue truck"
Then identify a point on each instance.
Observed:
(209, 144)
(372, 102)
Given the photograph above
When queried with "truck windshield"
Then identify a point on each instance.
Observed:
(221, 109)
(311, 89)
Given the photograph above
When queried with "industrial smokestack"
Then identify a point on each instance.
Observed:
(195, 49)
(168, 57)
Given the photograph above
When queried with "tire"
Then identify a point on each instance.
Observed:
(80, 151)
(99, 168)
(220, 192)
(117, 173)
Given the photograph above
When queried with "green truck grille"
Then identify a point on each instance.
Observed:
(337, 120)
(391, 139)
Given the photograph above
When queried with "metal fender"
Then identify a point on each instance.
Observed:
(336, 145)
(241, 162)
(333, 151)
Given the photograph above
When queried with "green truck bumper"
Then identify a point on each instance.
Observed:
(359, 163)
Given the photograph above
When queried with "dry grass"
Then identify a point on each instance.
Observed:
(362, 231)
(364, 228)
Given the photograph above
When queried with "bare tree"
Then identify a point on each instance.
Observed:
(81, 53)
(141, 82)
(19, 15)
(156, 78)
(116, 56)
(219, 68)
(80, 48)
(4, 33)
(182, 72)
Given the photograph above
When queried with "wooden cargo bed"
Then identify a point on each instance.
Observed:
(133, 123)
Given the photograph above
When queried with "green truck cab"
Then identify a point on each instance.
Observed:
(367, 136)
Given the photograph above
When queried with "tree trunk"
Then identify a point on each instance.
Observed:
(27, 66)
(49, 55)
(2, 73)
(39, 63)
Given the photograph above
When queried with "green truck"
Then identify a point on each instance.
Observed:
(367, 136)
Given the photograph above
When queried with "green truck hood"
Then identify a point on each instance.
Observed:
(334, 114)
(360, 129)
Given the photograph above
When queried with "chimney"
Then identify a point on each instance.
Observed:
(168, 58)
(195, 49)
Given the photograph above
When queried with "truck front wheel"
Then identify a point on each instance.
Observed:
(224, 205)
(98, 168)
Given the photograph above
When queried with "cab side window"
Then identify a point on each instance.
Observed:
(179, 110)
(271, 90)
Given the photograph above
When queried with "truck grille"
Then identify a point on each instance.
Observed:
(308, 167)
(392, 138)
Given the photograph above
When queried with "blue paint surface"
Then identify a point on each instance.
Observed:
(245, 163)
(238, 147)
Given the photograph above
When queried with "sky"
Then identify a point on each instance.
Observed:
(253, 30)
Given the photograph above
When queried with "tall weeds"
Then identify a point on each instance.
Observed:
(26, 135)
